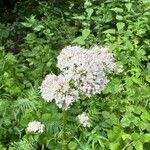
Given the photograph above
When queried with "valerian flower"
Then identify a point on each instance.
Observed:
(84, 120)
(86, 68)
(58, 88)
(48, 87)
(105, 57)
(36, 127)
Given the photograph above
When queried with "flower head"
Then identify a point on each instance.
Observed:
(105, 57)
(86, 68)
(58, 88)
(48, 87)
(36, 127)
(69, 56)
(84, 120)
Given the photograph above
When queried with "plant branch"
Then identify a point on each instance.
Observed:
(65, 147)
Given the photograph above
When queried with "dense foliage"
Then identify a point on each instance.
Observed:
(31, 37)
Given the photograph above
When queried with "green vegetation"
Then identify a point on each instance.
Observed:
(31, 36)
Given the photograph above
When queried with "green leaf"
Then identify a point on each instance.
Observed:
(114, 119)
(106, 114)
(81, 39)
(145, 115)
(118, 17)
(136, 80)
(87, 3)
(10, 58)
(135, 136)
(46, 116)
(120, 25)
(117, 10)
(126, 136)
(111, 31)
(141, 31)
(38, 27)
(30, 37)
(89, 12)
(125, 121)
(138, 145)
(148, 78)
(146, 138)
(26, 24)
(114, 146)
(85, 33)
(72, 145)
(79, 17)
(115, 134)
(128, 6)
(113, 86)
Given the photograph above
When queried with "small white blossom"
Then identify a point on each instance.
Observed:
(84, 120)
(36, 127)
(119, 69)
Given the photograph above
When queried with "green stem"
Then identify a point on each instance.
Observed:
(42, 146)
(65, 147)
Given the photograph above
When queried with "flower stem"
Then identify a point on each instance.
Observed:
(65, 147)
(42, 146)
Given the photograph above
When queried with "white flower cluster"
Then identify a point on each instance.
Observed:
(57, 88)
(84, 120)
(36, 127)
(86, 68)
(104, 56)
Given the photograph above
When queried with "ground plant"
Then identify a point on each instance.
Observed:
(75, 75)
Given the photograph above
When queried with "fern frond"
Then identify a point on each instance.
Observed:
(27, 102)
(22, 105)
(23, 145)
(54, 126)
